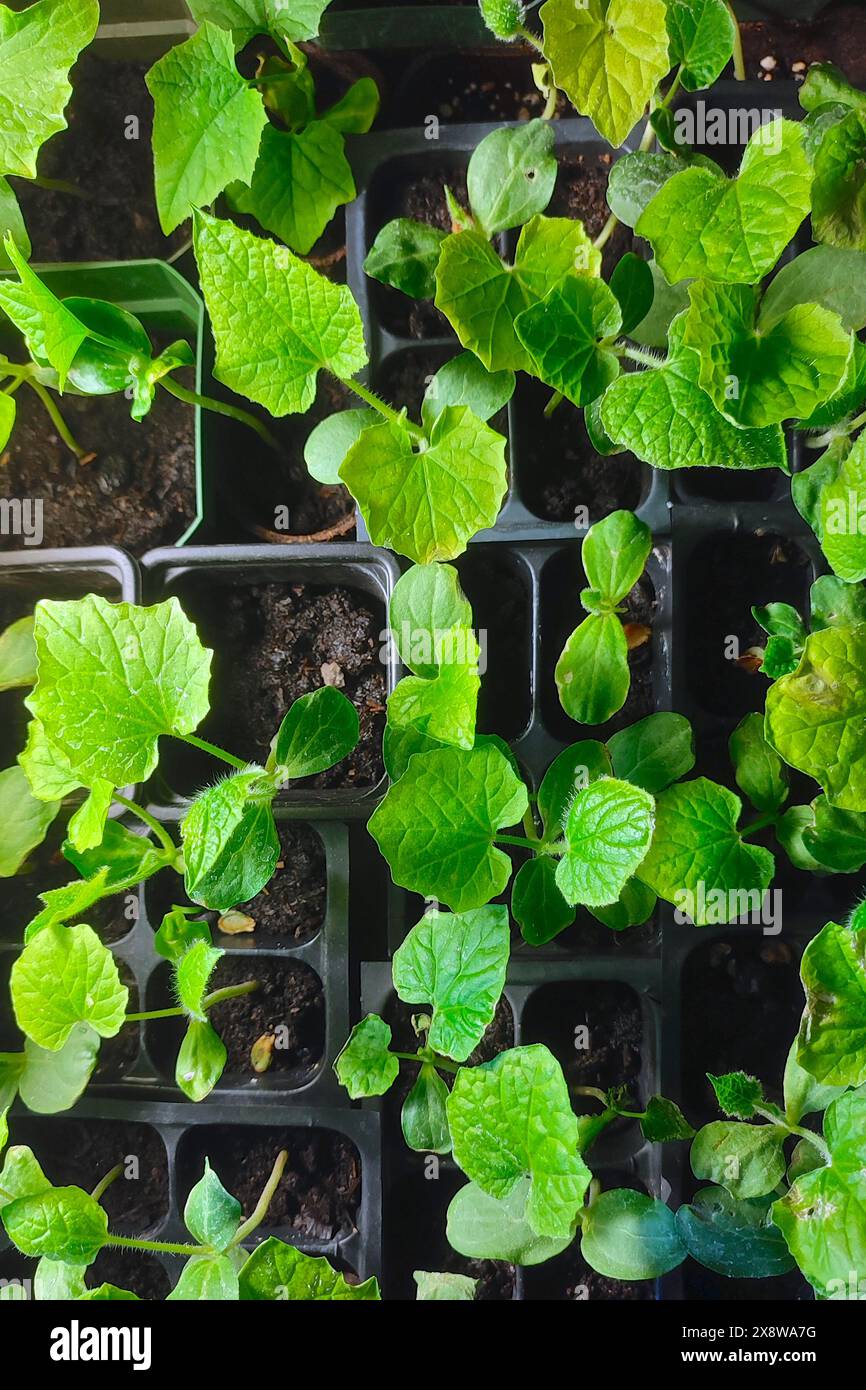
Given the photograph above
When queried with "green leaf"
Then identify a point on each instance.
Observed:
(481, 296)
(664, 417)
(276, 1271)
(804, 1095)
(109, 1293)
(664, 1122)
(62, 1223)
(735, 1238)
(52, 332)
(627, 1235)
(230, 841)
(62, 904)
(634, 181)
(607, 58)
(759, 770)
(299, 181)
(668, 302)
(654, 752)
(738, 1095)
(441, 711)
(697, 859)
(211, 1214)
(733, 230)
(21, 1176)
(7, 419)
(328, 444)
(66, 976)
(569, 773)
(122, 854)
(177, 933)
(511, 176)
(634, 906)
(831, 1044)
(511, 1118)
(614, 554)
(843, 516)
(465, 381)
(423, 1118)
(53, 1280)
(456, 963)
(319, 730)
(24, 821)
(405, 255)
(200, 1061)
(747, 1160)
(830, 276)
(592, 673)
(827, 83)
(37, 49)
(208, 123)
(836, 839)
(87, 826)
(427, 500)
(444, 1288)
(503, 18)
(366, 1066)
(53, 1081)
(17, 655)
(292, 21)
(356, 110)
(11, 224)
(814, 717)
(537, 904)
(632, 284)
(759, 373)
(136, 673)
(192, 973)
(839, 188)
(834, 603)
(565, 335)
(702, 35)
(608, 833)
(295, 321)
(482, 1227)
(426, 608)
(436, 827)
(206, 1279)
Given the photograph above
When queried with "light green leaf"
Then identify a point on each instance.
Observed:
(436, 827)
(664, 417)
(697, 859)
(356, 110)
(87, 826)
(72, 900)
(634, 906)
(444, 1288)
(627, 1235)
(734, 1238)
(24, 821)
(592, 673)
(54, 1280)
(654, 752)
(22, 1175)
(565, 337)
(511, 1118)
(636, 178)
(295, 321)
(292, 20)
(837, 839)
(842, 525)
(37, 49)
(206, 1279)
(831, 1044)
(52, 332)
(136, 673)
(17, 655)
(732, 230)
(276, 1271)
(702, 35)
(614, 554)
(569, 773)
(211, 1214)
(804, 1095)
(192, 974)
(318, 730)
(423, 1118)
(366, 1066)
(438, 711)
(208, 123)
(834, 603)
(511, 176)
(608, 833)
(61, 1223)
(201, 1060)
(66, 976)
(53, 1081)
(607, 58)
(427, 610)
(405, 255)
(839, 189)
(482, 1227)
(456, 963)
(814, 717)
(328, 444)
(123, 853)
(11, 224)
(830, 276)
(747, 1160)
(738, 1095)
(176, 933)
(463, 380)
(759, 770)
(230, 841)
(299, 181)
(826, 83)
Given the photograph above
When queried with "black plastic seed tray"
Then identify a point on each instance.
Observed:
(331, 1202)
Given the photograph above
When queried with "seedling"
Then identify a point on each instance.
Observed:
(65, 1228)
(261, 141)
(92, 348)
(24, 821)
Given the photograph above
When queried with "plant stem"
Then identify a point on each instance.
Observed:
(739, 60)
(215, 752)
(104, 1184)
(528, 37)
(234, 412)
(57, 419)
(181, 251)
(776, 1117)
(591, 1091)
(605, 234)
(62, 186)
(520, 840)
(760, 824)
(646, 359)
(150, 821)
(219, 996)
(387, 413)
(261, 1207)
(553, 404)
(822, 441)
(159, 1247)
(550, 105)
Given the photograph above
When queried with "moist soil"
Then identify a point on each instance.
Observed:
(611, 1013)
(474, 86)
(274, 643)
(139, 491)
(581, 194)
(320, 1191)
(77, 1153)
(741, 1006)
(289, 997)
(725, 576)
(835, 36)
(130, 1269)
(118, 219)
(401, 192)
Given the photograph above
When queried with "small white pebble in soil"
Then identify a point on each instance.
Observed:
(332, 674)
(769, 63)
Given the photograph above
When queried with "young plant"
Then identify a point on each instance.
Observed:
(65, 1228)
(24, 820)
(38, 47)
(92, 348)
(592, 674)
(423, 489)
(261, 141)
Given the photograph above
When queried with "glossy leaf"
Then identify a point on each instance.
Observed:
(607, 834)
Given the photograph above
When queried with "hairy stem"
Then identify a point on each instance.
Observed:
(104, 1184)
(159, 1247)
(646, 359)
(370, 398)
(234, 412)
(219, 996)
(261, 1207)
(520, 840)
(215, 752)
(57, 419)
(150, 821)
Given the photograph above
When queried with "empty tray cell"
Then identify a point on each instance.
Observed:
(414, 1234)
(595, 1030)
(498, 585)
(118, 1055)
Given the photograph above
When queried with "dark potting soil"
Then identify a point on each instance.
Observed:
(588, 936)
(498, 589)
(414, 1232)
(400, 191)
(594, 1028)
(403, 378)
(130, 1269)
(581, 194)
(273, 643)
(476, 86)
(498, 1037)
(320, 1191)
(724, 577)
(117, 1055)
(139, 490)
(741, 1006)
(787, 47)
(78, 1153)
(559, 471)
(47, 869)
(106, 153)
(568, 1278)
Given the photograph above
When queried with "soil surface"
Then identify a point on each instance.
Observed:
(118, 219)
(118, 1055)
(568, 1278)
(77, 1153)
(275, 642)
(783, 49)
(498, 589)
(492, 84)
(139, 490)
(130, 1269)
(611, 1015)
(581, 194)
(400, 191)
(320, 1191)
